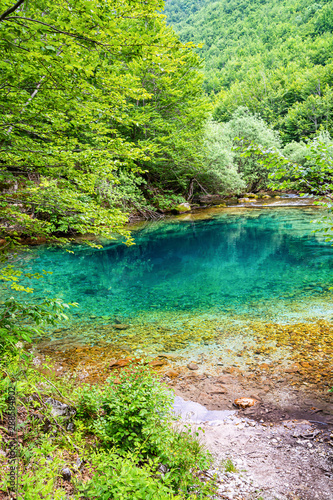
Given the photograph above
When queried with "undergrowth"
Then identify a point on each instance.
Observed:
(119, 441)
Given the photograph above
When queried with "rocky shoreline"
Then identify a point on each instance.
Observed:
(281, 448)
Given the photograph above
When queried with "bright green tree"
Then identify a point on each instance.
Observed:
(90, 95)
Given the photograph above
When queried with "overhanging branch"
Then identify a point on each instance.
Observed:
(11, 9)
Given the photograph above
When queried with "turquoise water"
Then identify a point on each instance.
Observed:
(247, 262)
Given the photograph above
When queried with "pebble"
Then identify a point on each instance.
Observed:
(66, 474)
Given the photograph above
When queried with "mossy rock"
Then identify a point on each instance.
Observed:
(182, 207)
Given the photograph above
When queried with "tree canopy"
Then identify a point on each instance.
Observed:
(95, 99)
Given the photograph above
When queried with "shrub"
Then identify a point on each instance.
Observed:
(132, 417)
(136, 408)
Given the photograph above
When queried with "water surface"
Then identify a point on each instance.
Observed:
(263, 264)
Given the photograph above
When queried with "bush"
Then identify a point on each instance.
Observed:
(133, 419)
(136, 409)
(89, 399)
(221, 174)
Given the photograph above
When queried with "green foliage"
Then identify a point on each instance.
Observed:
(133, 414)
(20, 320)
(311, 176)
(229, 466)
(313, 173)
(40, 478)
(98, 104)
(120, 478)
(228, 171)
(143, 467)
(88, 402)
(273, 57)
(134, 411)
(186, 458)
(221, 174)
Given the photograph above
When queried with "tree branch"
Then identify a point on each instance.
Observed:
(11, 9)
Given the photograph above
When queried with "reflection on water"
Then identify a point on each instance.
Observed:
(240, 263)
(242, 288)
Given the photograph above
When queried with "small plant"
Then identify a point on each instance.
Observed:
(229, 466)
(41, 473)
(89, 400)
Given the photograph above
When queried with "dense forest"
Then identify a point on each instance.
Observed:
(275, 57)
(95, 124)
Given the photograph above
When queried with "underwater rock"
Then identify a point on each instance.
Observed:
(120, 326)
(245, 402)
(266, 197)
(245, 200)
(119, 363)
(171, 373)
(264, 366)
(158, 362)
(192, 366)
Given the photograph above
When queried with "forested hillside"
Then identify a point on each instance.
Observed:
(275, 57)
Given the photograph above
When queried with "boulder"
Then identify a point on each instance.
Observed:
(66, 474)
(183, 207)
(118, 326)
(171, 373)
(119, 363)
(211, 199)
